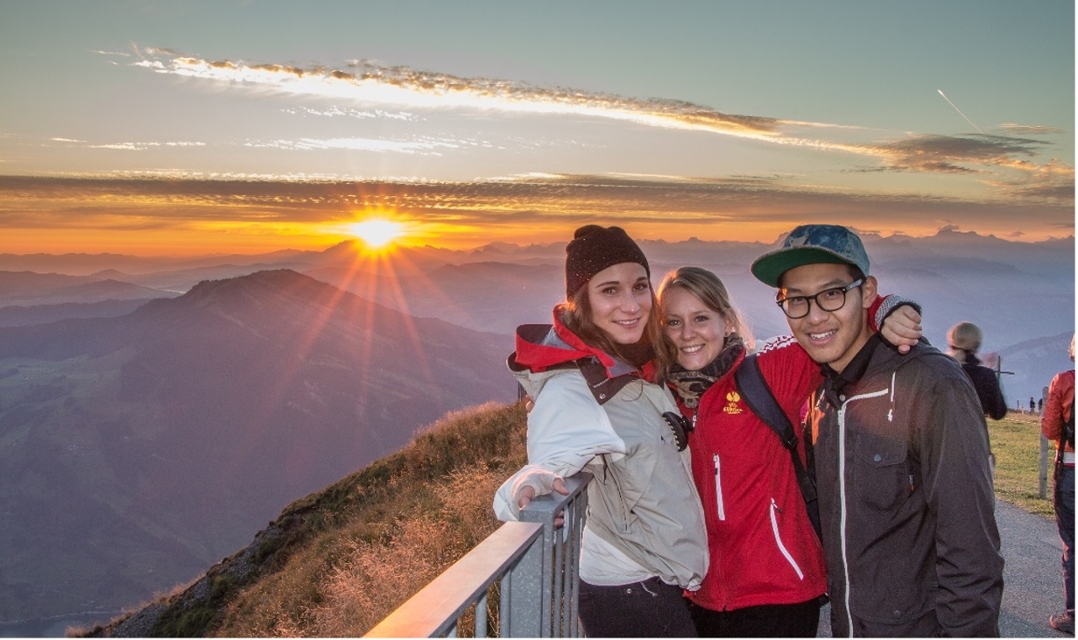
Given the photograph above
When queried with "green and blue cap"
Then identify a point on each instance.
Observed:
(811, 244)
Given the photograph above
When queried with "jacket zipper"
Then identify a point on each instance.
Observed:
(778, 541)
(718, 489)
(842, 498)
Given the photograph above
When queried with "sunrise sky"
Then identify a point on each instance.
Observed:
(182, 127)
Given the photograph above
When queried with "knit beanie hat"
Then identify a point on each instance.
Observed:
(595, 248)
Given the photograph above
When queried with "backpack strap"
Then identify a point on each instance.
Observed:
(755, 392)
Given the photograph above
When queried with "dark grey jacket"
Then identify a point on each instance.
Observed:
(906, 498)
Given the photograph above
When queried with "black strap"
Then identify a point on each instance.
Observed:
(1068, 429)
(755, 392)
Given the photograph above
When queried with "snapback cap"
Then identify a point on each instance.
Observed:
(811, 244)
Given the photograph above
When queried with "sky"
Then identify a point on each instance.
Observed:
(184, 127)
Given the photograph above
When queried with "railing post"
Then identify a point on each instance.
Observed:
(1043, 488)
(561, 556)
(521, 587)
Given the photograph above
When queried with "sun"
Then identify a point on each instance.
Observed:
(376, 233)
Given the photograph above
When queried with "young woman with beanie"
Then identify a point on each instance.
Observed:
(596, 406)
(766, 576)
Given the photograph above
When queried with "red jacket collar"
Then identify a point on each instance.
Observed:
(537, 350)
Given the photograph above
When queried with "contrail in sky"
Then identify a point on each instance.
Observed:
(959, 111)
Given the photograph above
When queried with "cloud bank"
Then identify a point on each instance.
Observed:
(363, 82)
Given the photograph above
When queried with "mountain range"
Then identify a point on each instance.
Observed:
(154, 412)
(136, 451)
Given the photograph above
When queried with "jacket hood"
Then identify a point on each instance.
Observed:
(547, 349)
(540, 347)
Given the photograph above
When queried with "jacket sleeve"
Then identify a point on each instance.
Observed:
(997, 406)
(956, 477)
(566, 429)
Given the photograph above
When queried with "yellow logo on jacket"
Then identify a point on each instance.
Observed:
(732, 400)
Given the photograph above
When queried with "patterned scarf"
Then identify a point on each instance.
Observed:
(691, 385)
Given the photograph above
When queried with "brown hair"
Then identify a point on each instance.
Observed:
(706, 286)
(576, 313)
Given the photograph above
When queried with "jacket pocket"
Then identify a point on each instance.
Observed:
(718, 489)
(881, 473)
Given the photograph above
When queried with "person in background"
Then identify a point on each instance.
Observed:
(963, 341)
(596, 406)
(766, 576)
(901, 456)
(1058, 424)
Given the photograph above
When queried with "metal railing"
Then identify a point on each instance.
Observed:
(521, 579)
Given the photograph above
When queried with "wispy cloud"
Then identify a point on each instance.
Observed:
(539, 204)
(1028, 130)
(367, 82)
(139, 146)
(357, 144)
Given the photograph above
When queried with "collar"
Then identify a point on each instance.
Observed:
(835, 383)
(691, 385)
(540, 347)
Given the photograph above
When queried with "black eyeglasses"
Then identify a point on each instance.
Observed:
(796, 307)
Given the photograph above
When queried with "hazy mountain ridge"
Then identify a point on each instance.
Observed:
(28, 288)
(438, 487)
(16, 316)
(164, 437)
(113, 406)
(1014, 290)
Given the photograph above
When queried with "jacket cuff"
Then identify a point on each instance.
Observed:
(884, 305)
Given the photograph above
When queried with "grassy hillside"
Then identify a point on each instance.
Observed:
(338, 561)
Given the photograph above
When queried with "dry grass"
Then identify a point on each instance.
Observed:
(434, 507)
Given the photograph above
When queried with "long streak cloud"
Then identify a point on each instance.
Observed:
(366, 82)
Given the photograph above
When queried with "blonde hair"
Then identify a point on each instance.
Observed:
(709, 288)
(964, 336)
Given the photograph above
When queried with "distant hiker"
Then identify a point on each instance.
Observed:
(597, 407)
(963, 341)
(1058, 424)
(1032, 405)
(766, 577)
(901, 456)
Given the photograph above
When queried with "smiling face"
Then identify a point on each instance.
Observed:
(829, 337)
(620, 300)
(697, 330)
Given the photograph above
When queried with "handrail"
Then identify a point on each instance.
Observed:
(534, 565)
(442, 601)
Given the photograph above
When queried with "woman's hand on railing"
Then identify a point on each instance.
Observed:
(527, 494)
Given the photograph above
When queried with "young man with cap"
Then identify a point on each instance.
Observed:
(901, 456)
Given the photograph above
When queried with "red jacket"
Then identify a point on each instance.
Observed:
(1059, 407)
(762, 545)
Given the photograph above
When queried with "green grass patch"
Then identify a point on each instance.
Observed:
(1016, 443)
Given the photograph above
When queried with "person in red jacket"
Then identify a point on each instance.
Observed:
(766, 577)
(1057, 419)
